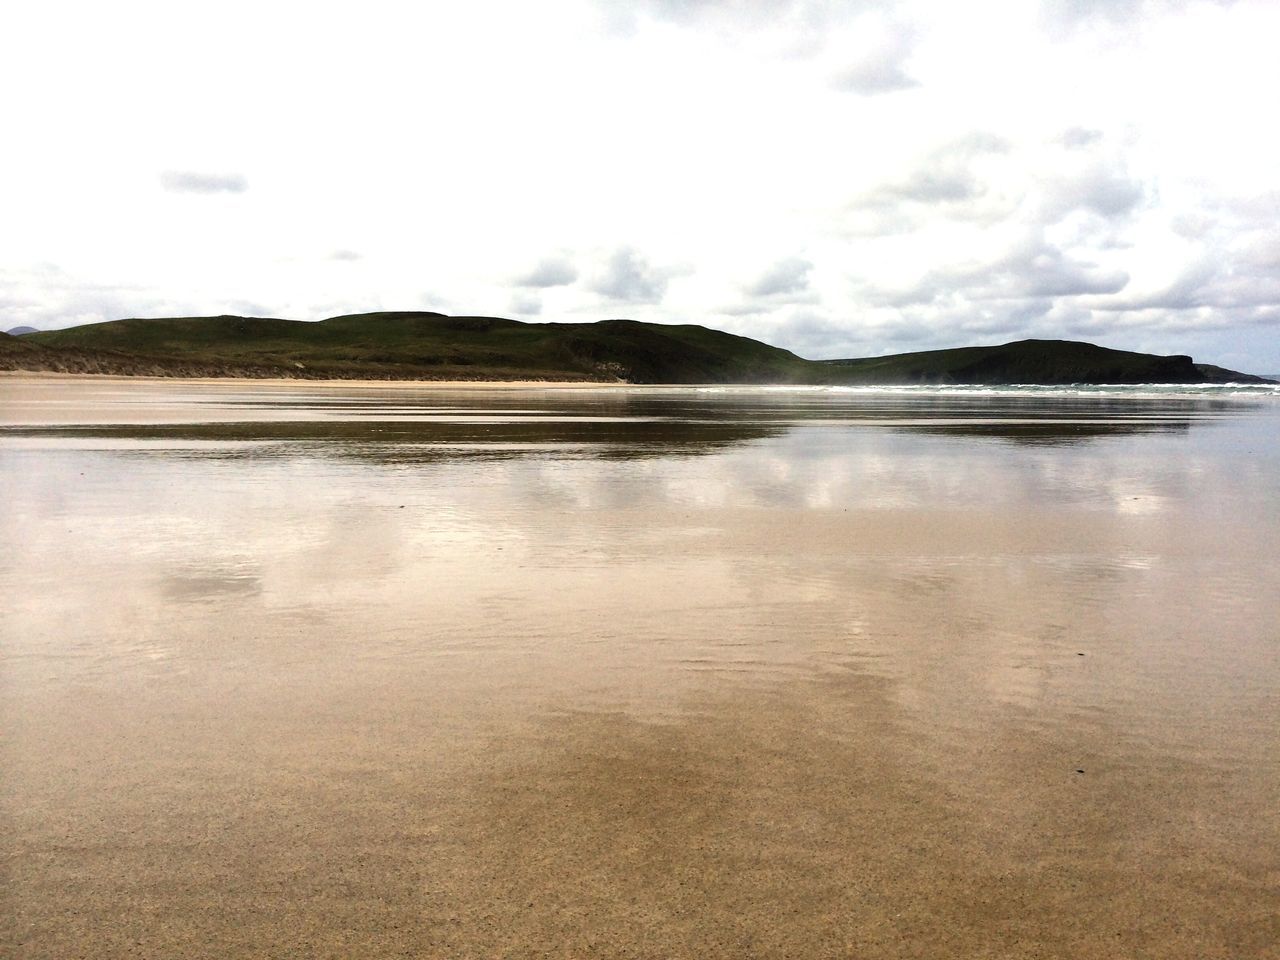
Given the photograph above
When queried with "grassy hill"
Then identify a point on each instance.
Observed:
(9, 344)
(432, 346)
(1032, 361)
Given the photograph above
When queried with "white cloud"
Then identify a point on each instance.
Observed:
(853, 176)
(191, 181)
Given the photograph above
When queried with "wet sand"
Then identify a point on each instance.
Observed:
(783, 678)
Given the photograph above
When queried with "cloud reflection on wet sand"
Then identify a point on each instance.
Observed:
(819, 689)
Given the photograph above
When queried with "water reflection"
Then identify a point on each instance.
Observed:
(610, 423)
(750, 645)
(209, 584)
(330, 506)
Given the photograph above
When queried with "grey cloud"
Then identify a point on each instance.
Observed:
(526, 304)
(977, 323)
(801, 29)
(814, 335)
(961, 321)
(1070, 14)
(690, 11)
(1102, 189)
(190, 181)
(964, 180)
(785, 283)
(550, 272)
(966, 322)
(731, 15)
(1263, 251)
(1074, 138)
(1033, 269)
(48, 297)
(1039, 269)
(1111, 19)
(1254, 210)
(975, 143)
(881, 69)
(1223, 282)
(1071, 320)
(1193, 225)
(1038, 289)
(434, 301)
(811, 334)
(785, 277)
(623, 18)
(937, 185)
(629, 278)
(245, 308)
(749, 308)
(945, 176)
(882, 73)
(1187, 291)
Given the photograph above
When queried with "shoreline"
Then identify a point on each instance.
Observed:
(60, 376)
(57, 376)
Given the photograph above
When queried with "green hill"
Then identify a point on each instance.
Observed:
(12, 347)
(432, 346)
(1047, 362)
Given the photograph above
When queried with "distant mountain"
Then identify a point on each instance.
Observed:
(18, 331)
(1051, 362)
(427, 346)
(432, 346)
(1223, 375)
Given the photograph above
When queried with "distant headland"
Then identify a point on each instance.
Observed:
(433, 346)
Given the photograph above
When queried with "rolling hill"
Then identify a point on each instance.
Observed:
(1050, 362)
(432, 346)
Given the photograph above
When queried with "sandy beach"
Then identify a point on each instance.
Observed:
(317, 670)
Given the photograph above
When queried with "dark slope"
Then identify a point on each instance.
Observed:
(1050, 362)
(1216, 374)
(13, 349)
(432, 346)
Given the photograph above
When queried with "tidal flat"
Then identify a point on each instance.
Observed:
(342, 670)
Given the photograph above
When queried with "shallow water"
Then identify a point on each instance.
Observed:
(337, 670)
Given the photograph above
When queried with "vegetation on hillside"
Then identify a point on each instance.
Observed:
(1030, 361)
(432, 346)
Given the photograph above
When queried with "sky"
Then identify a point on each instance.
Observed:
(840, 179)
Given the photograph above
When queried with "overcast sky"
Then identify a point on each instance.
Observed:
(842, 179)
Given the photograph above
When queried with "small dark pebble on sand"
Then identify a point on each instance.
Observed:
(1079, 771)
